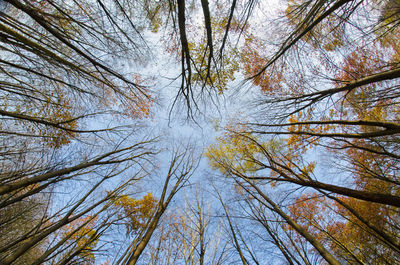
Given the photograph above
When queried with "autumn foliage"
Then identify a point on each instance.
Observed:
(307, 171)
(137, 212)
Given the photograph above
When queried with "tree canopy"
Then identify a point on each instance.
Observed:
(304, 165)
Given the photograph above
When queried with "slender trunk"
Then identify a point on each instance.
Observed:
(313, 241)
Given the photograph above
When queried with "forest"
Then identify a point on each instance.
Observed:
(199, 132)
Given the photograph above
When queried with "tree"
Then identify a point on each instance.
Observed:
(318, 155)
(54, 83)
(182, 166)
(354, 120)
(20, 219)
(187, 235)
(83, 239)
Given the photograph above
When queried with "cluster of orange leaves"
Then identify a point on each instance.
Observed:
(253, 63)
(361, 101)
(133, 103)
(325, 219)
(309, 210)
(362, 104)
(139, 105)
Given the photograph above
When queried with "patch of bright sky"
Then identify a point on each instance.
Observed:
(174, 125)
(177, 129)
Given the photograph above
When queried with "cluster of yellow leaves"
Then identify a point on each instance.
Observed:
(84, 238)
(235, 150)
(218, 77)
(60, 113)
(243, 153)
(298, 143)
(219, 24)
(222, 69)
(55, 109)
(137, 211)
(329, 33)
(388, 33)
